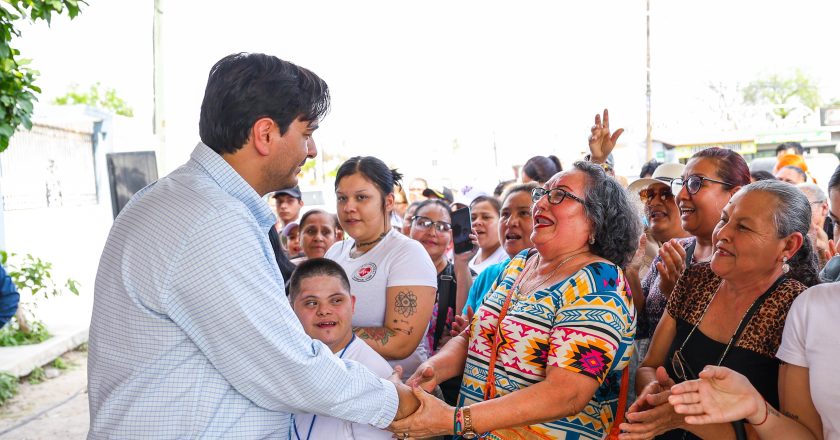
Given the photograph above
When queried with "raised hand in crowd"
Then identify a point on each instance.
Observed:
(602, 141)
(671, 267)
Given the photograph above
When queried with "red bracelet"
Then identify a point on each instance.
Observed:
(766, 413)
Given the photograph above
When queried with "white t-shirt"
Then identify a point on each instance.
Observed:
(395, 261)
(332, 428)
(497, 257)
(810, 340)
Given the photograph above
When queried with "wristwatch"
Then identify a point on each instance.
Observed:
(469, 432)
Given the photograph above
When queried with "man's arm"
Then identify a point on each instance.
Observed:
(226, 294)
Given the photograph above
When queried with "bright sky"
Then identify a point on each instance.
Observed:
(409, 78)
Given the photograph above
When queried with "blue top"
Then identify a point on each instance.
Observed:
(483, 283)
(192, 335)
(9, 297)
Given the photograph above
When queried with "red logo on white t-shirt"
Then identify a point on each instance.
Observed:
(365, 273)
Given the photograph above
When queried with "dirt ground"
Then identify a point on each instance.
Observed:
(56, 408)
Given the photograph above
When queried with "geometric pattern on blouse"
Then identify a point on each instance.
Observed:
(584, 324)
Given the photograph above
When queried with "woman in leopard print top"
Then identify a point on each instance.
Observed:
(731, 310)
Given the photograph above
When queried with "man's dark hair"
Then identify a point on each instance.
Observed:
(245, 87)
(762, 175)
(649, 167)
(314, 268)
(787, 145)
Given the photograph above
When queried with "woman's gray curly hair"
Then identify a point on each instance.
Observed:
(616, 225)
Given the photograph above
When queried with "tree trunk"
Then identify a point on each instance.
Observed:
(21, 319)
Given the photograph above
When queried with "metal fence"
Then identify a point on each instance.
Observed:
(48, 166)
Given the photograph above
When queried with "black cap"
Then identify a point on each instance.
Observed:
(294, 192)
(444, 194)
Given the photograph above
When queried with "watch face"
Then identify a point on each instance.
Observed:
(469, 435)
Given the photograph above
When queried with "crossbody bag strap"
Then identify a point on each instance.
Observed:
(445, 300)
(490, 389)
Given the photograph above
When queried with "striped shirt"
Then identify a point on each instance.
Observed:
(583, 324)
(192, 335)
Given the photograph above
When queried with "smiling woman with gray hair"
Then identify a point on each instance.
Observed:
(729, 311)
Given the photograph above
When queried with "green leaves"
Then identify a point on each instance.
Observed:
(17, 82)
(94, 97)
(784, 92)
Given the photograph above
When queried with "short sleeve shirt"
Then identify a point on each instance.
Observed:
(810, 340)
(584, 324)
(395, 261)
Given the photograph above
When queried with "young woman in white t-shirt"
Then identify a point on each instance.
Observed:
(391, 275)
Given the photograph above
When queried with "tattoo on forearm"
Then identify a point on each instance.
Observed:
(398, 326)
(379, 334)
(406, 304)
(789, 414)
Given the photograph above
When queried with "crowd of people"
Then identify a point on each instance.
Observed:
(695, 302)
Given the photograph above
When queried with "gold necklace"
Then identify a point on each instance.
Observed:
(518, 291)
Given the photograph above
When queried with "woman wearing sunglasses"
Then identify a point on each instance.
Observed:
(729, 311)
(391, 275)
(555, 334)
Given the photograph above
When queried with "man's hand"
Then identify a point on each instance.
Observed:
(602, 142)
(408, 401)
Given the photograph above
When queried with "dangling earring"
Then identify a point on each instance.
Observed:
(785, 265)
(591, 239)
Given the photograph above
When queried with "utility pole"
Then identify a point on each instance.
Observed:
(158, 121)
(647, 88)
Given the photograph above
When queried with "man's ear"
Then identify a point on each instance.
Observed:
(261, 133)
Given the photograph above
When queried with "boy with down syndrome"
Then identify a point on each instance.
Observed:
(320, 295)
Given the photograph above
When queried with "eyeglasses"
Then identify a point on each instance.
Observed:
(693, 184)
(425, 223)
(555, 195)
(681, 367)
(648, 194)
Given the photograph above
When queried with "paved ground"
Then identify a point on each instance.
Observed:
(54, 409)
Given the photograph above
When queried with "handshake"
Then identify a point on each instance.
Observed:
(420, 414)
